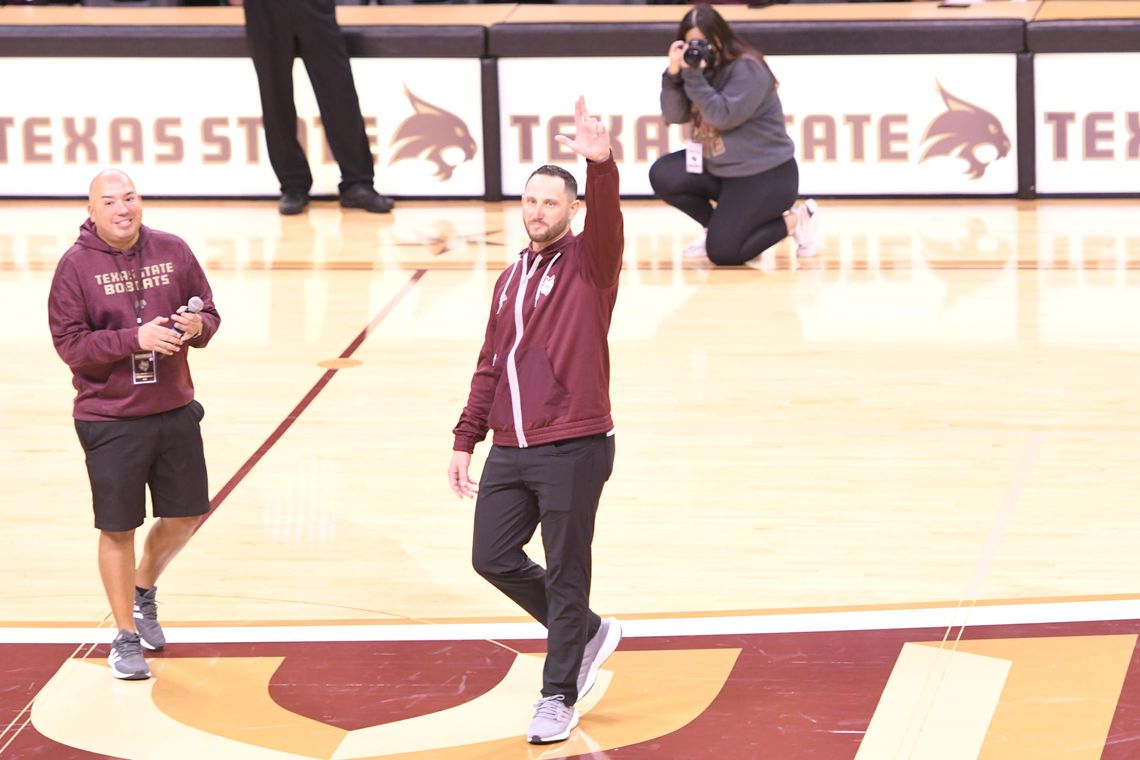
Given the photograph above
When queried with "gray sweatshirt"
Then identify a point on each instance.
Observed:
(739, 118)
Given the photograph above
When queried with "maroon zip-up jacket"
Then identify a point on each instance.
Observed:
(93, 321)
(543, 373)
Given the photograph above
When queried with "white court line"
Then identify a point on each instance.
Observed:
(808, 622)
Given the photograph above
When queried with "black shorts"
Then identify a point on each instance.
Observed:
(163, 451)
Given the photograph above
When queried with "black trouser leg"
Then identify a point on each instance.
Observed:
(558, 485)
(269, 28)
(325, 54)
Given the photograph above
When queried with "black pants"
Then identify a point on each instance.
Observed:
(278, 31)
(558, 485)
(748, 216)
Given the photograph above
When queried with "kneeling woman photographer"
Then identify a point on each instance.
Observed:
(740, 155)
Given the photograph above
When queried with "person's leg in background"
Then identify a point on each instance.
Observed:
(323, 49)
(691, 193)
(269, 26)
(749, 216)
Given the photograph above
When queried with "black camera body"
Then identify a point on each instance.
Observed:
(697, 51)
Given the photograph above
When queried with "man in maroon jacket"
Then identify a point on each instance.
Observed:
(542, 384)
(119, 319)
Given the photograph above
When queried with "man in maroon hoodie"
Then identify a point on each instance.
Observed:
(119, 317)
(542, 384)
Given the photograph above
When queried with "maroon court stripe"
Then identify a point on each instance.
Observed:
(303, 404)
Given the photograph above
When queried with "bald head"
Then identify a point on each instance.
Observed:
(115, 208)
(103, 178)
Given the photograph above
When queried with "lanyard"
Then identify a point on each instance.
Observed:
(137, 293)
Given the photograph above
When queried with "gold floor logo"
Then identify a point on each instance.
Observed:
(221, 707)
(962, 131)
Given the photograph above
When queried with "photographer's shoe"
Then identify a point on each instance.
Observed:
(695, 248)
(807, 233)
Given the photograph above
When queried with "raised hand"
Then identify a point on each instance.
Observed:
(592, 140)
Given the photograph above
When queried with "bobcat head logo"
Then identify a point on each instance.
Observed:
(968, 132)
(434, 135)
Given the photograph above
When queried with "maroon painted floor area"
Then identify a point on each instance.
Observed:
(25, 668)
(790, 696)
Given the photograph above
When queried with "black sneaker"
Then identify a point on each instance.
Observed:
(292, 202)
(126, 659)
(363, 196)
(146, 620)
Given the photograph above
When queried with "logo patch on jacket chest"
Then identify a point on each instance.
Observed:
(546, 285)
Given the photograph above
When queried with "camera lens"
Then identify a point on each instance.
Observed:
(697, 51)
(693, 54)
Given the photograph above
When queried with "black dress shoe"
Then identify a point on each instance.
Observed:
(363, 196)
(292, 202)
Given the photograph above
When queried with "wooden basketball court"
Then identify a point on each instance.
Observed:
(873, 505)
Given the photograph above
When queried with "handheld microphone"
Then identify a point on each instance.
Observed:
(193, 306)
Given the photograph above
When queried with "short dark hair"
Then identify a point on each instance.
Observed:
(557, 171)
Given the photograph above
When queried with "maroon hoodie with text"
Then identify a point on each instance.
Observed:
(92, 316)
(543, 374)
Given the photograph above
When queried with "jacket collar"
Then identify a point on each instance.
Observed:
(557, 247)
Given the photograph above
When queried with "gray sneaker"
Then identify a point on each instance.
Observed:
(597, 651)
(126, 658)
(553, 721)
(146, 620)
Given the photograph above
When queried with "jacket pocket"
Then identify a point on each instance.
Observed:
(500, 418)
(544, 398)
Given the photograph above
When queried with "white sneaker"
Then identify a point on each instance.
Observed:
(553, 721)
(807, 232)
(596, 652)
(695, 248)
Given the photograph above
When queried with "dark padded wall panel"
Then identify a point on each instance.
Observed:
(229, 41)
(571, 40)
(417, 41)
(776, 38)
(886, 37)
(1026, 128)
(1089, 36)
(124, 41)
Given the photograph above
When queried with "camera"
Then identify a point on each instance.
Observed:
(697, 51)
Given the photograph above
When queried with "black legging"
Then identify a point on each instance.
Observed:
(748, 216)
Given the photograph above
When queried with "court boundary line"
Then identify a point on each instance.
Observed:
(932, 618)
(395, 620)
